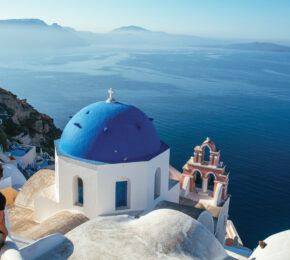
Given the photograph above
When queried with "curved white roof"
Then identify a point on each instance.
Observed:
(278, 248)
(161, 234)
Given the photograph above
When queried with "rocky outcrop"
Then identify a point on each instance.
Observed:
(22, 123)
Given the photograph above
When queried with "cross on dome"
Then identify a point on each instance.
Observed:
(110, 99)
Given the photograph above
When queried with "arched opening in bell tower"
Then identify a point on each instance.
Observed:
(198, 180)
(210, 182)
(206, 153)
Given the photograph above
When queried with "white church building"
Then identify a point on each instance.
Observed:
(109, 160)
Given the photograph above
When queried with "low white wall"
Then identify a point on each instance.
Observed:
(29, 157)
(221, 226)
(44, 208)
(26, 159)
(185, 186)
(41, 247)
(173, 193)
(206, 219)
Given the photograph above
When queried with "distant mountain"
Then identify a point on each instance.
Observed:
(131, 28)
(22, 22)
(35, 33)
(138, 36)
(260, 46)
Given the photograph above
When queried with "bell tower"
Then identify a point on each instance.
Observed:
(204, 178)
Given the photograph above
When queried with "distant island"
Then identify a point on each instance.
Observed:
(131, 28)
(257, 46)
(35, 33)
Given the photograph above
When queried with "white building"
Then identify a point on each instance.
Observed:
(12, 177)
(109, 160)
(24, 154)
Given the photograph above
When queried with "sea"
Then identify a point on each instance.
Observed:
(240, 99)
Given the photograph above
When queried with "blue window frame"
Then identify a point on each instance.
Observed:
(121, 194)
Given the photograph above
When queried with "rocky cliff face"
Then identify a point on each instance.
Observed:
(22, 123)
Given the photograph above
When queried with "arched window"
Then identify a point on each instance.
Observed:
(80, 192)
(157, 183)
(122, 194)
(198, 180)
(206, 154)
(211, 179)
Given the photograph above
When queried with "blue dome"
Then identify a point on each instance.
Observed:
(111, 133)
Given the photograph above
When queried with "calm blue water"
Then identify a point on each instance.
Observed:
(241, 100)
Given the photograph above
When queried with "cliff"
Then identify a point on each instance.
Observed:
(22, 123)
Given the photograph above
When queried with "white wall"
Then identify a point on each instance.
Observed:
(220, 232)
(206, 219)
(99, 184)
(137, 187)
(161, 161)
(41, 247)
(68, 169)
(27, 159)
(44, 208)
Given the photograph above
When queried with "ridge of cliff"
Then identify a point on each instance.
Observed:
(24, 124)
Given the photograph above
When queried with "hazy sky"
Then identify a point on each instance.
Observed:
(249, 19)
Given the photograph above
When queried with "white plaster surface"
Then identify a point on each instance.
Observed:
(278, 248)
(206, 219)
(221, 226)
(185, 187)
(161, 234)
(27, 159)
(242, 252)
(99, 182)
(42, 248)
(217, 198)
(39, 184)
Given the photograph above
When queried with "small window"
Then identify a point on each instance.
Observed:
(80, 192)
(121, 195)
(157, 183)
